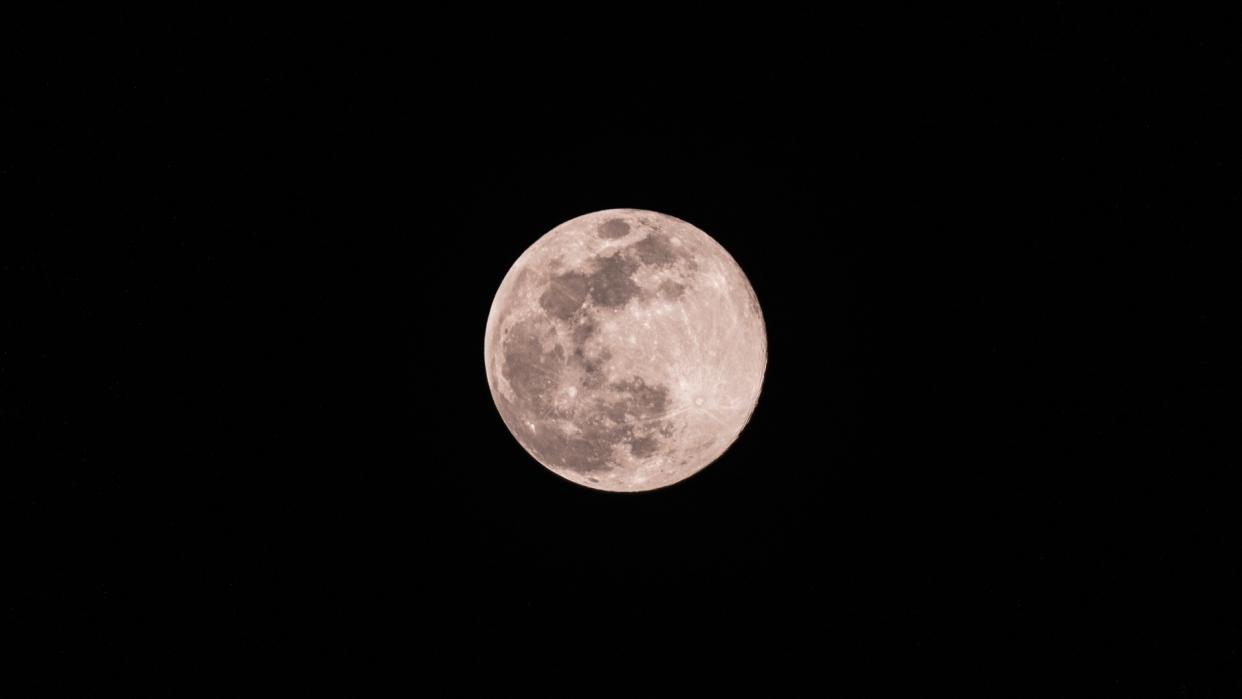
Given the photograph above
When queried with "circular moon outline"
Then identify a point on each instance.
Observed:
(625, 350)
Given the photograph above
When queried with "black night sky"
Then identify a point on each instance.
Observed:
(248, 428)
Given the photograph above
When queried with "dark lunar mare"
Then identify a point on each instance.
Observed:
(671, 290)
(531, 372)
(613, 228)
(611, 284)
(621, 413)
(564, 295)
(534, 374)
(626, 412)
(655, 249)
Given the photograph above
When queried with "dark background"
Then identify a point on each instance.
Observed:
(248, 426)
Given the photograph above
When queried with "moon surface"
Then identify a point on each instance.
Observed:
(625, 350)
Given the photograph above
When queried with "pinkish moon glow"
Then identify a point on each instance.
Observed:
(625, 350)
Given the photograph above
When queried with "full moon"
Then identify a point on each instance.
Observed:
(625, 350)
